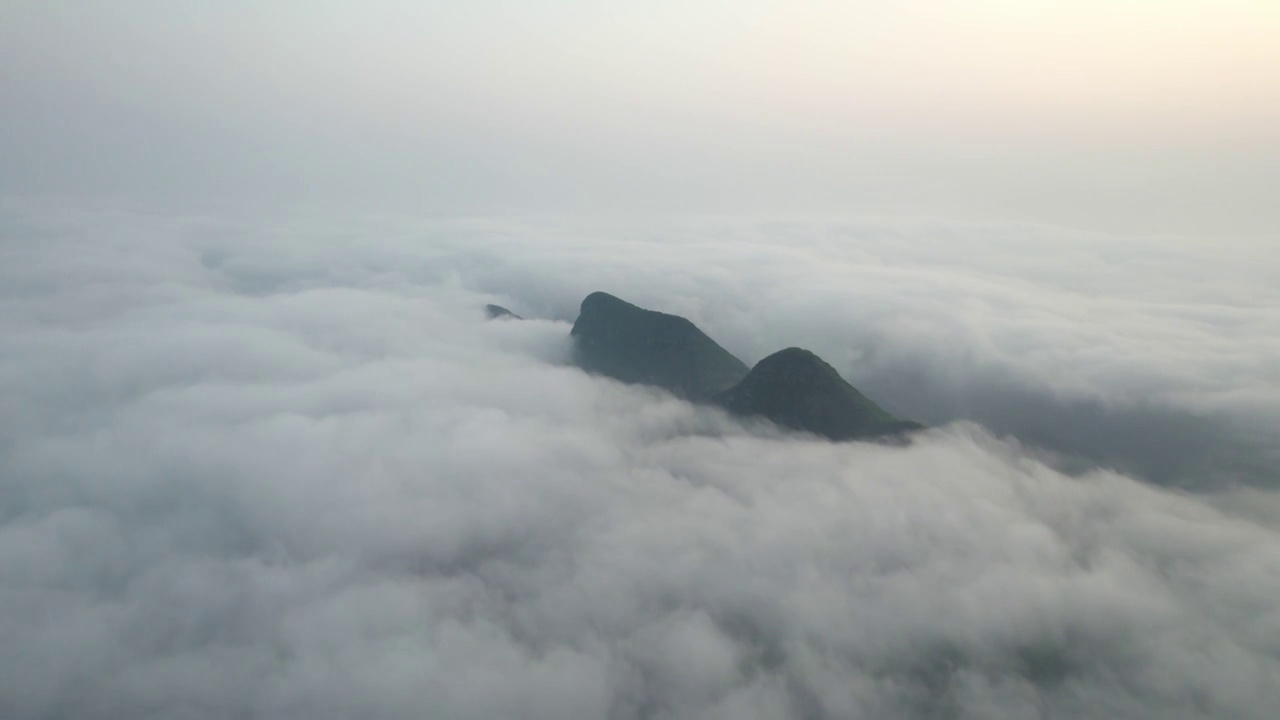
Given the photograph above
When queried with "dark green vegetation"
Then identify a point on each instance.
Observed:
(796, 389)
(615, 338)
(496, 312)
(793, 388)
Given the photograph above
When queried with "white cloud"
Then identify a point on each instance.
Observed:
(1159, 355)
(292, 472)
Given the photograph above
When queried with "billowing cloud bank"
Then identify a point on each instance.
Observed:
(290, 472)
(1160, 356)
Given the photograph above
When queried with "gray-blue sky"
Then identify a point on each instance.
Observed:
(1138, 116)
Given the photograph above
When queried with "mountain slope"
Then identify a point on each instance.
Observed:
(497, 312)
(615, 338)
(796, 389)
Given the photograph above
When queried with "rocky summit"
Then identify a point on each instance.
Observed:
(497, 312)
(615, 338)
(796, 389)
(793, 388)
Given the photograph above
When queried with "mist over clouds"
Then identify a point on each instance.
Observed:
(262, 455)
(288, 470)
(1159, 355)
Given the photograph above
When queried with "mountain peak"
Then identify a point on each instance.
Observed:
(495, 312)
(629, 343)
(601, 299)
(793, 388)
(790, 361)
(797, 389)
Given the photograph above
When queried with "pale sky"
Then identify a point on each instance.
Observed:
(1141, 115)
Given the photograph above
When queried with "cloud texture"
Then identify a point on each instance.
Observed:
(289, 471)
(1160, 355)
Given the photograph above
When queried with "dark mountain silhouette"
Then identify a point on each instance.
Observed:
(496, 312)
(793, 388)
(615, 338)
(798, 390)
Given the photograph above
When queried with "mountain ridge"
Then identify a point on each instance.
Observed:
(497, 312)
(629, 343)
(796, 389)
(793, 388)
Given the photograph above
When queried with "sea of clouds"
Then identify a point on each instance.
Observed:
(270, 469)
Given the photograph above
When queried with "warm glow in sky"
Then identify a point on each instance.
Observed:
(1090, 62)
(823, 63)
(914, 106)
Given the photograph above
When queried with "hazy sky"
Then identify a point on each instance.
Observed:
(1146, 115)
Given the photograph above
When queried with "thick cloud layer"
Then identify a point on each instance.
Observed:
(1160, 356)
(291, 471)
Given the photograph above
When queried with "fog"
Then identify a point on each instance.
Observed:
(1134, 117)
(1158, 355)
(263, 456)
(288, 470)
